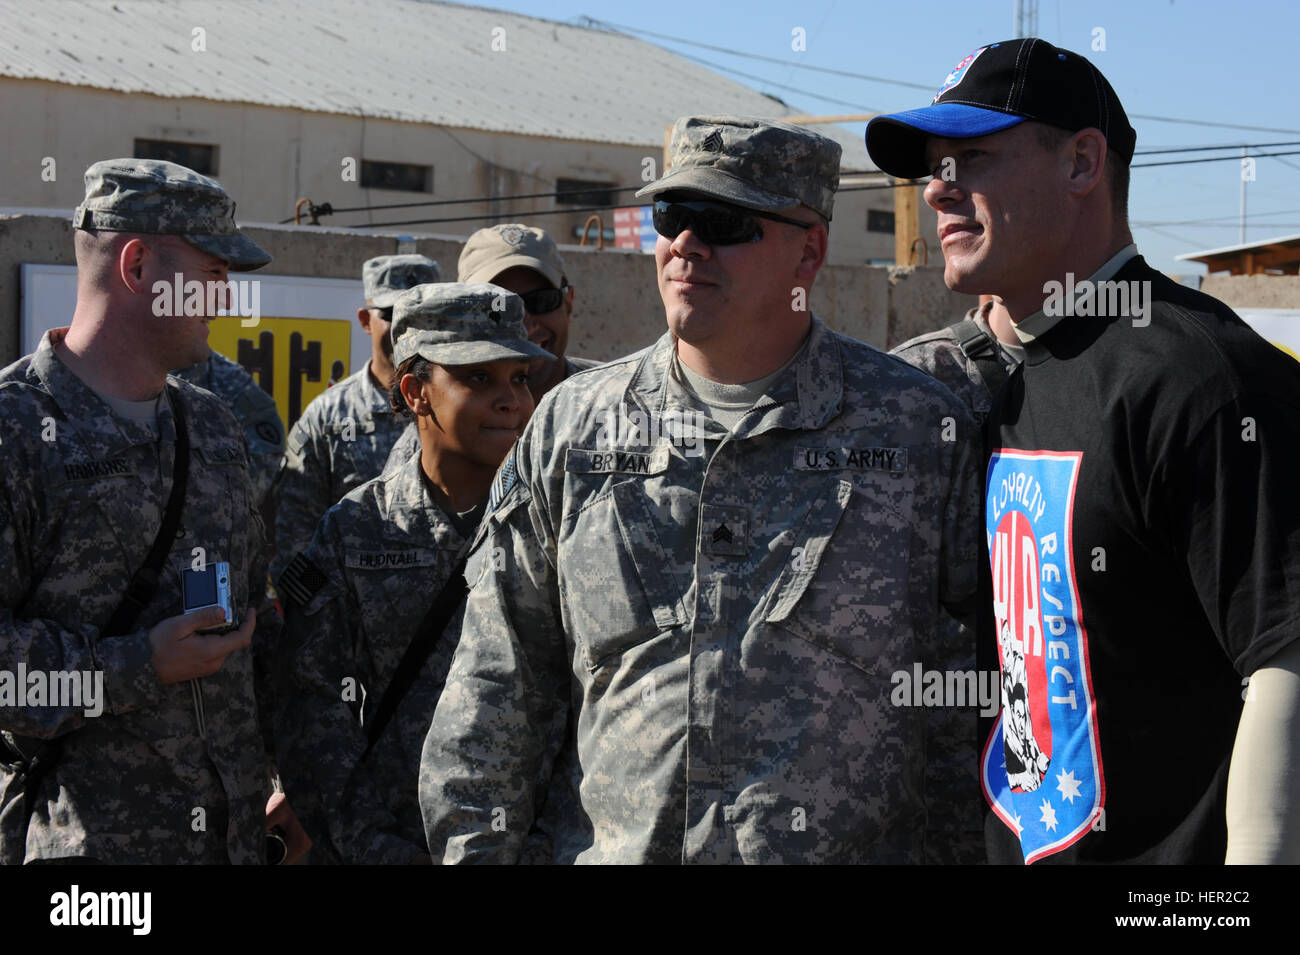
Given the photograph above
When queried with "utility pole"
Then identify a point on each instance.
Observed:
(1025, 21)
(1241, 232)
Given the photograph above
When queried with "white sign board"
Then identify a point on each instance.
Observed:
(306, 337)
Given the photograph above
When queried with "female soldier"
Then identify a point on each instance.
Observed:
(379, 559)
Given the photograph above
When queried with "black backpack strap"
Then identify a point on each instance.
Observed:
(977, 346)
(145, 581)
(428, 631)
(32, 769)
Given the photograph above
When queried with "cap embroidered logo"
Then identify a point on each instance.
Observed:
(958, 72)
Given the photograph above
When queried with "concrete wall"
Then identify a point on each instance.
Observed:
(270, 157)
(617, 308)
(1254, 291)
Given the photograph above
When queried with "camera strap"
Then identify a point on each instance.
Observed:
(426, 636)
(33, 768)
(145, 582)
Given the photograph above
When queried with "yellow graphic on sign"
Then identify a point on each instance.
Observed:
(1287, 350)
(293, 359)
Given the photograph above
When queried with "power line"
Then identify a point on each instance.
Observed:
(456, 202)
(1191, 162)
(766, 82)
(528, 213)
(1202, 149)
(881, 79)
(765, 59)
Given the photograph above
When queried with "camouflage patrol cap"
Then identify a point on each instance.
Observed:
(754, 163)
(156, 197)
(385, 277)
(455, 323)
(491, 251)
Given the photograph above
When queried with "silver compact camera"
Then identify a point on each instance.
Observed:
(209, 587)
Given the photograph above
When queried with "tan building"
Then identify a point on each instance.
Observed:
(392, 112)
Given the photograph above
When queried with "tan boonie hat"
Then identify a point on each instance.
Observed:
(753, 163)
(454, 323)
(385, 277)
(156, 197)
(491, 251)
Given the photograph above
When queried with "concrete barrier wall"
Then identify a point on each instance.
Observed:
(617, 308)
(1254, 291)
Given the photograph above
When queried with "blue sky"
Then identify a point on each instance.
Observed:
(1215, 62)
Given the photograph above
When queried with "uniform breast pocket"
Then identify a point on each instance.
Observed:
(616, 581)
(845, 588)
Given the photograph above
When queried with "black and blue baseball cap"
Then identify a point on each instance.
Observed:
(999, 86)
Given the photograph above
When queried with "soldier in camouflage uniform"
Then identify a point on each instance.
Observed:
(377, 563)
(972, 357)
(174, 769)
(524, 260)
(254, 409)
(345, 435)
(711, 556)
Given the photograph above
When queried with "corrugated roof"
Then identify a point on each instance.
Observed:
(406, 60)
(1282, 241)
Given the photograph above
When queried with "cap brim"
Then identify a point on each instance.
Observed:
(489, 271)
(896, 142)
(716, 184)
(385, 299)
(241, 253)
(478, 353)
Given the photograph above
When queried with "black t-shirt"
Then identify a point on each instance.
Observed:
(1144, 537)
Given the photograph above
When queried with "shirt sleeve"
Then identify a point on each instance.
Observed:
(480, 769)
(1240, 486)
(301, 491)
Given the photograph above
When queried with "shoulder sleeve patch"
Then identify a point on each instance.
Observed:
(301, 580)
(507, 477)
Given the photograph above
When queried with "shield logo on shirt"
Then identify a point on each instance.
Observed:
(1041, 768)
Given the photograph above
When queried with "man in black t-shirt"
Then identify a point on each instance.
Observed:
(1142, 520)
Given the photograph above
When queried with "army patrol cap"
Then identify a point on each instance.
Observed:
(758, 164)
(156, 197)
(491, 251)
(456, 323)
(385, 277)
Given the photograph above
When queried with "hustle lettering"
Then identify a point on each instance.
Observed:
(833, 459)
(95, 469)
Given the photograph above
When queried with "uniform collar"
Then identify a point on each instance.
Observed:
(375, 400)
(409, 511)
(1039, 323)
(100, 433)
(806, 396)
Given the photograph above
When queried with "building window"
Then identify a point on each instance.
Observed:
(398, 176)
(197, 156)
(584, 192)
(880, 221)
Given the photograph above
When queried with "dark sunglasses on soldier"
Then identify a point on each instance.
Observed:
(544, 300)
(714, 223)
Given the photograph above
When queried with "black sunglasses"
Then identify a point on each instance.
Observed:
(714, 223)
(544, 300)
